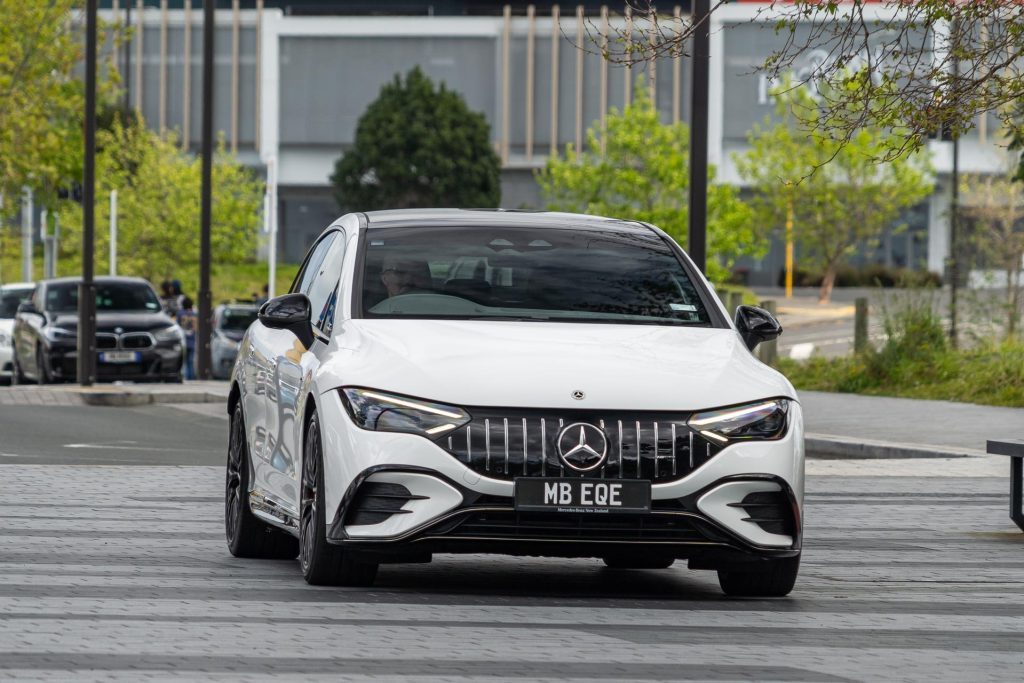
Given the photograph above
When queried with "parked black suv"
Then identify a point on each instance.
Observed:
(135, 340)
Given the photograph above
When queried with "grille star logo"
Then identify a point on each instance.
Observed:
(582, 446)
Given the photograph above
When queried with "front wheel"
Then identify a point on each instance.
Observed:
(247, 535)
(772, 579)
(42, 373)
(323, 564)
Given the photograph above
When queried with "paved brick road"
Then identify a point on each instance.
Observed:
(122, 573)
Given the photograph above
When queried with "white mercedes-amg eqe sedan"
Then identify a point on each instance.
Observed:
(461, 381)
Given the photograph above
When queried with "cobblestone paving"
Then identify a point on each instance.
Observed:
(121, 573)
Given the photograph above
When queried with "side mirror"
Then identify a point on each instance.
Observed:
(28, 307)
(291, 312)
(756, 325)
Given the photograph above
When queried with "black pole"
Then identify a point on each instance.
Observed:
(127, 48)
(203, 360)
(697, 246)
(954, 209)
(86, 288)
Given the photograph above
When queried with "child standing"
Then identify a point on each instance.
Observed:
(187, 320)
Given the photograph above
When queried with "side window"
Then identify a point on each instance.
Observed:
(312, 267)
(323, 292)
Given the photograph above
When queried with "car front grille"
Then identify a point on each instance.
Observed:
(106, 341)
(509, 444)
(586, 527)
(136, 340)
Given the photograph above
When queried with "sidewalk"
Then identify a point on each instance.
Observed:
(212, 391)
(850, 425)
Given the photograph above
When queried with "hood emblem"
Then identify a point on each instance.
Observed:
(118, 330)
(582, 446)
(578, 395)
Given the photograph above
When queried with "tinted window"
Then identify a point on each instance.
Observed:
(114, 296)
(627, 275)
(312, 267)
(323, 290)
(10, 299)
(237, 318)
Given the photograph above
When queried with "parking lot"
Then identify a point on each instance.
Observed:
(114, 567)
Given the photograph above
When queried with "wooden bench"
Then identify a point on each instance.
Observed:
(1015, 449)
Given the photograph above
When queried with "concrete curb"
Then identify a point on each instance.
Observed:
(829, 447)
(125, 398)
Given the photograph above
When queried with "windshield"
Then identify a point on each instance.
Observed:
(237, 319)
(9, 300)
(112, 296)
(627, 275)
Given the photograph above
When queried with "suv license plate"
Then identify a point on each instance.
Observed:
(119, 356)
(582, 495)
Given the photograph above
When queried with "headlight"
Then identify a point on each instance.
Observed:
(377, 411)
(55, 333)
(4, 339)
(756, 421)
(169, 334)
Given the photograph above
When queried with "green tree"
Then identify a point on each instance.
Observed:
(995, 205)
(639, 169)
(158, 206)
(418, 145)
(41, 97)
(839, 195)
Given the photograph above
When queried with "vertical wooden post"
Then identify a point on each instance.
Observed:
(860, 325)
(530, 55)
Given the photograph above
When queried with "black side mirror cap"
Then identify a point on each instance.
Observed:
(292, 312)
(28, 307)
(756, 325)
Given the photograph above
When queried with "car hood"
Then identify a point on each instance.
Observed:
(6, 325)
(526, 364)
(106, 321)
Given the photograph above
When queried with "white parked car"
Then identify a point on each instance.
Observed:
(447, 381)
(11, 296)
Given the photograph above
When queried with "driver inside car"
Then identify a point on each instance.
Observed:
(405, 276)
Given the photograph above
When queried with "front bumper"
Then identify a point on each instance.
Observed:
(155, 363)
(454, 509)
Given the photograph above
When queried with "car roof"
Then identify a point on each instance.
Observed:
(102, 280)
(18, 285)
(497, 218)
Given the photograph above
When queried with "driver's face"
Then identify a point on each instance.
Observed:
(396, 280)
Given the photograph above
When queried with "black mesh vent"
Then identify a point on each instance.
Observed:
(376, 502)
(770, 510)
(106, 341)
(504, 444)
(589, 527)
(136, 341)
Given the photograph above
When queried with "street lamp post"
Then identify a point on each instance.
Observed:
(203, 360)
(86, 289)
(697, 236)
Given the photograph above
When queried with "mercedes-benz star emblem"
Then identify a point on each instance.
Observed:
(578, 395)
(118, 330)
(582, 446)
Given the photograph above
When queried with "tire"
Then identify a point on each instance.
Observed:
(638, 562)
(323, 564)
(42, 374)
(773, 579)
(247, 535)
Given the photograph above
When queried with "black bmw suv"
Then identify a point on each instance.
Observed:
(135, 339)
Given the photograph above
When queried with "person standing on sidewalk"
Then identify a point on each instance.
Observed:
(188, 322)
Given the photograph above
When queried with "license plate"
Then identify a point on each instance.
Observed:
(119, 356)
(582, 495)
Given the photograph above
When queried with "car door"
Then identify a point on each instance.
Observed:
(28, 334)
(274, 357)
(297, 366)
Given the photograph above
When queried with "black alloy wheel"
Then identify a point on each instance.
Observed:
(323, 564)
(247, 535)
(42, 374)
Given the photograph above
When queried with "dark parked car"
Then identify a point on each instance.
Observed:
(135, 340)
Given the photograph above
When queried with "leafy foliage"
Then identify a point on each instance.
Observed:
(639, 168)
(840, 197)
(158, 206)
(41, 99)
(418, 145)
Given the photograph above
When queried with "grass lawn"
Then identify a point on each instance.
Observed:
(989, 374)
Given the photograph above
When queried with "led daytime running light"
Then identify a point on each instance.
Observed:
(410, 404)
